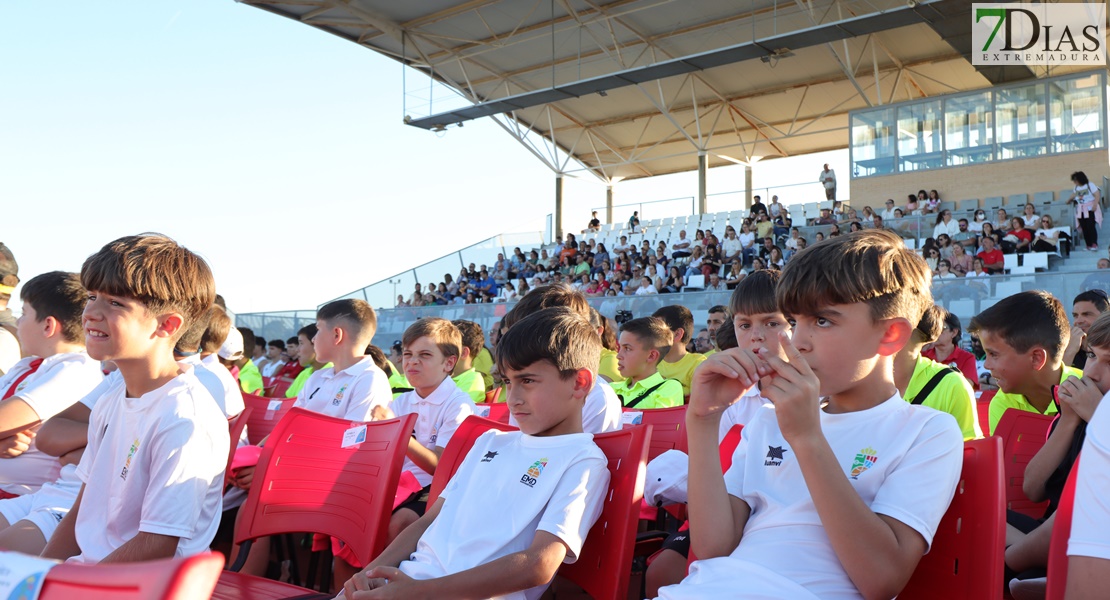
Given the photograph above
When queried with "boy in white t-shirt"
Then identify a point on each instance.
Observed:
(56, 373)
(842, 470)
(548, 480)
(157, 443)
(1089, 544)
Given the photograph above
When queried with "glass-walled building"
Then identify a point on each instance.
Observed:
(1036, 118)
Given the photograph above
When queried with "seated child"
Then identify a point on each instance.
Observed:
(677, 363)
(250, 378)
(947, 351)
(929, 383)
(1027, 539)
(153, 470)
(548, 360)
(55, 373)
(465, 375)
(1024, 336)
(1088, 554)
(643, 343)
(842, 467)
(215, 327)
(306, 354)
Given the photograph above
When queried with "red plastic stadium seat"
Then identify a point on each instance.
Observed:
(1061, 531)
(1023, 434)
(605, 564)
(457, 449)
(171, 579)
(965, 560)
(265, 414)
(983, 410)
(493, 395)
(280, 386)
(308, 482)
(235, 426)
(668, 428)
(494, 411)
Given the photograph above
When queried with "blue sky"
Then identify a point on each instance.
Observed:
(273, 149)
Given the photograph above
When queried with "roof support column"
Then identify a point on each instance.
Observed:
(703, 201)
(609, 202)
(559, 207)
(747, 186)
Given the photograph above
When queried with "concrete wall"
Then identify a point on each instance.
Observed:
(1028, 176)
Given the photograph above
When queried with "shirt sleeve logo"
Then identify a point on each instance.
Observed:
(531, 476)
(864, 461)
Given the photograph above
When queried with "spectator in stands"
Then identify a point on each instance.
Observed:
(1019, 236)
(401, 301)
(791, 242)
(765, 249)
(735, 275)
(944, 270)
(646, 287)
(964, 236)
(826, 218)
(1024, 335)
(827, 179)
(961, 261)
(932, 257)
(1002, 221)
(1029, 217)
(989, 231)
(634, 221)
(888, 210)
(674, 282)
(747, 241)
(978, 269)
(1050, 239)
(643, 344)
(782, 224)
(763, 226)
(714, 284)
(976, 225)
(508, 292)
(946, 349)
(946, 224)
(677, 363)
(930, 203)
(730, 246)
(899, 213)
(601, 256)
(866, 215)
(855, 226)
(1099, 280)
(711, 262)
(758, 207)
(911, 204)
(681, 248)
(595, 223)
(818, 237)
(921, 380)
(834, 231)
(694, 266)
(1085, 310)
(991, 256)
(774, 209)
(849, 217)
(758, 264)
(944, 244)
(1088, 208)
(775, 259)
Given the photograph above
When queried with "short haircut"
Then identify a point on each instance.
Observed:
(547, 296)
(561, 336)
(442, 332)
(379, 359)
(157, 272)
(718, 308)
(357, 317)
(755, 294)
(930, 325)
(216, 331)
(292, 340)
(277, 343)
(259, 341)
(60, 295)
(248, 341)
(1096, 297)
(308, 331)
(192, 340)
(676, 316)
(652, 331)
(1098, 336)
(871, 266)
(1027, 319)
(472, 337)
(951, 321)
(726, 338)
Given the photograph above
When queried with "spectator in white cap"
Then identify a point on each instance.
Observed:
(231, 351)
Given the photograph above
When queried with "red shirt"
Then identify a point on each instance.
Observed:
(993, 257)
(290, 369)
(962, 360)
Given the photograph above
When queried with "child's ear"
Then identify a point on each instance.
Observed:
(51, 327)
(895, 337)
(169, 325)
(1038, 357)
(583, 383)
(451, 362)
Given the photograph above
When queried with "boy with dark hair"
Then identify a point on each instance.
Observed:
(549, 361)
(306, 355)
(465, 375)
(946, 349)
(929, 383)
(677, 363)
(643, 343)
(1024, 336)
(56, 373)
(274, 359)
(842, 467)
(1085, 309)
(250, 378)
(157, 445)
(718, 316)
(215, 327)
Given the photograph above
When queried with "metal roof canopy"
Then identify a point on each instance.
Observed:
(635, 88)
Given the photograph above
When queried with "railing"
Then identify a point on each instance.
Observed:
(657, 208)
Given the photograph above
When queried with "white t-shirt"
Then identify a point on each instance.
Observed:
(731, 246)
(951, 228)
(153, 464)
(555, 484)
(219, 382)
(349, 394)
(746, 238)
(903, 460)
(743, 411)
(828, 178)
(60, 381)
(888, 214)
(601, 413)
(438, 416)
(1089, 534)
(9, 350)
(646, 291)
(271, 367)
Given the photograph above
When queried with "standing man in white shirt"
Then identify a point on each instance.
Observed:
(828, 179)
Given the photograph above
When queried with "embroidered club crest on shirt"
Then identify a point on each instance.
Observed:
(339, 396)
(130, 455)
(532, 475)
(775, 455)
(864, 461)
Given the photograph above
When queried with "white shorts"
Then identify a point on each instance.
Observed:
(44, 508)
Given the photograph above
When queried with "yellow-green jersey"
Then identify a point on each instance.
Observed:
(302, 377)
(608, 365)
(952, 394)
(660, 392)
(250, 378)
(683, 370)
(1003, 401)
(471, 382)
(483, 363)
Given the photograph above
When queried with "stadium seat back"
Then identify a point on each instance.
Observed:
(1058, 546)
(605, 563)
(235, 427)
(497, 411)
(493, 395)
(170, 579)
(461, 443)
(330, 476)
(1023, 434)
(965, 560)
(265, 414)
(668, 428)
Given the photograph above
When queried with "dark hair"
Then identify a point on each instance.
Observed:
(259, 341)
(277, 343)
(951, 321)
(1080, 178)
(930, 326)
(375, 353)
(1025, 320)
(472, 337)
(59, 295)
(308, 331)
(559, 335)
(356, 316)
(726, 338)
(546, 296)
(1096, 297)
(653, 332)
(248, 341)
(215, 332)
(718, 308)
(292, 340)
(190, 341)
(755, 294)
(677, 317)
